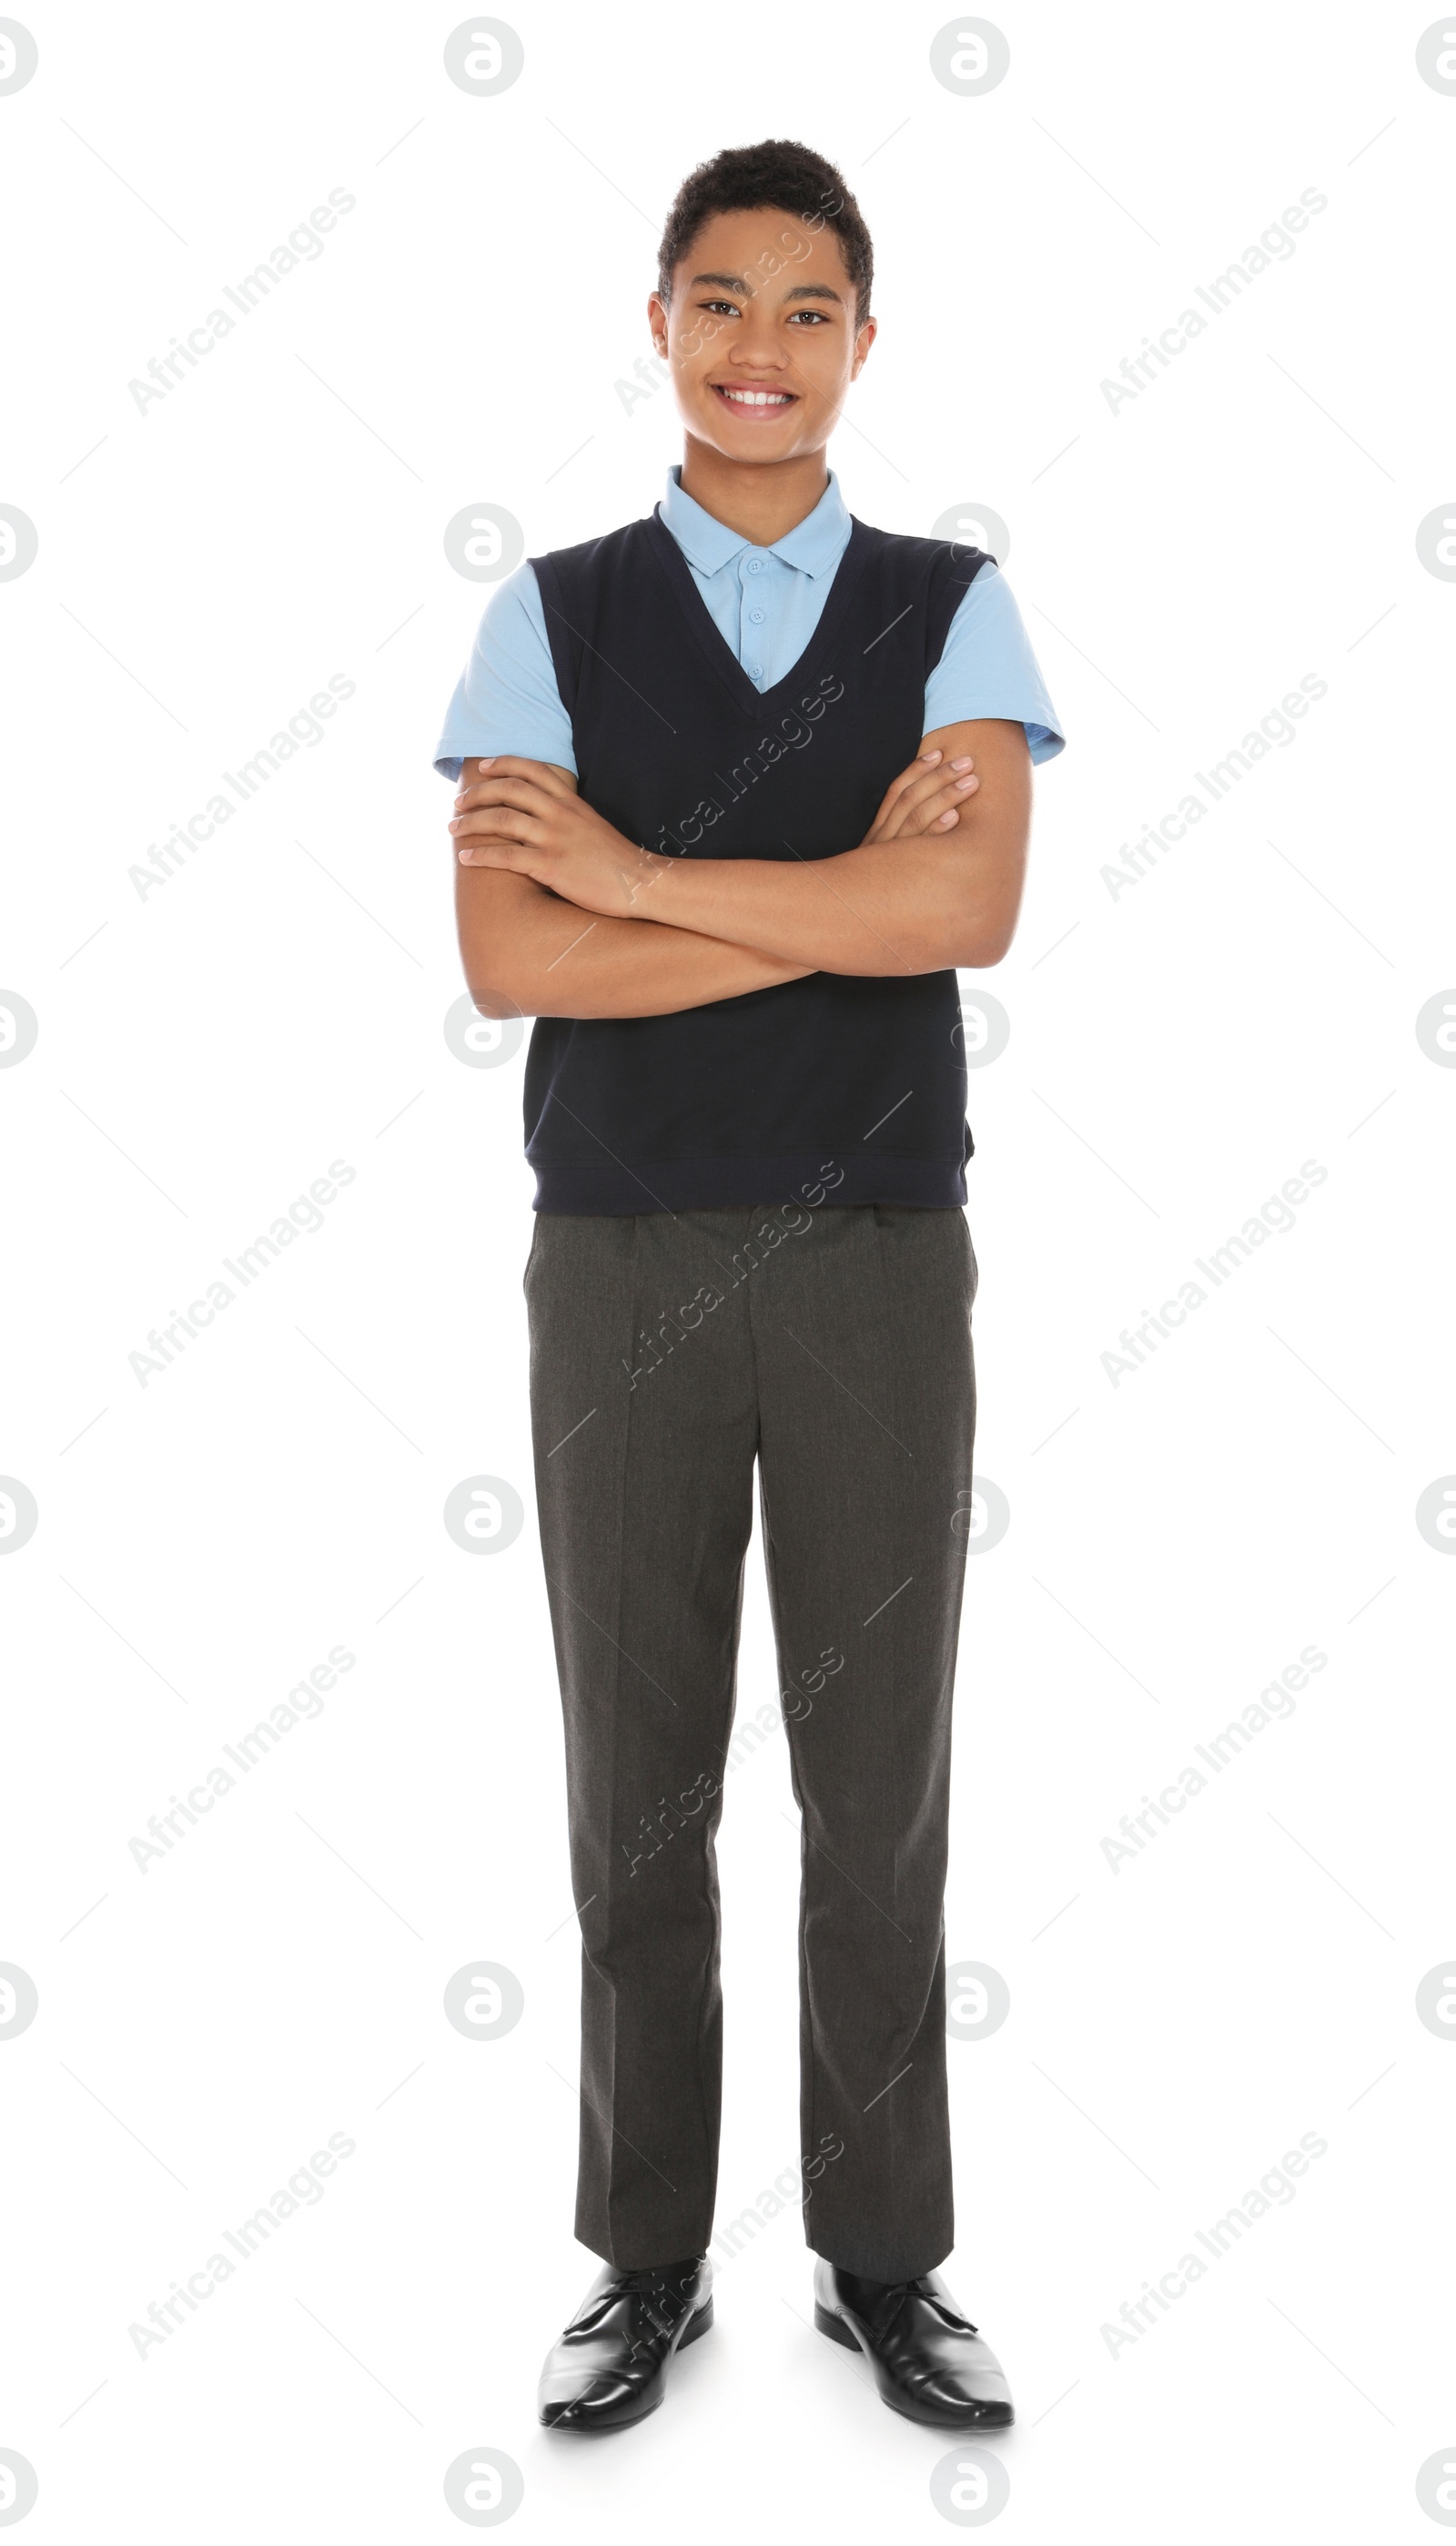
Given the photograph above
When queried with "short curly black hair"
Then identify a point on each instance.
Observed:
(786, 176)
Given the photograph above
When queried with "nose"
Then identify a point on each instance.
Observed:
(755, 346)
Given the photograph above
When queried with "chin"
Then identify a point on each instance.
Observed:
(750, 442)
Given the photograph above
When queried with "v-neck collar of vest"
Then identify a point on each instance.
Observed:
(708, 637)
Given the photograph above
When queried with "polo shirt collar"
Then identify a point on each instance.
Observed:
(815, 544)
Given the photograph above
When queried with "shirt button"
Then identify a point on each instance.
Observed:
(755, 671)
(757, 616)
(755, 565)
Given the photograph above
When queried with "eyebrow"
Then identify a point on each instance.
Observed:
(800, 291)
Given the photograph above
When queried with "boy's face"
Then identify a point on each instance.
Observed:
(761, 336)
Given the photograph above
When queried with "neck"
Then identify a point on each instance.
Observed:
(762, 502)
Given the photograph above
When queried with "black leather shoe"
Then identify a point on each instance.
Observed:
(610, 2365)
(929, 2361)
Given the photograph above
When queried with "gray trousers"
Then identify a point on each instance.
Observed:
(668, 1353)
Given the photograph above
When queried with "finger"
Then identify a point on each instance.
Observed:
(493, 853)
(897, 787)
(949, 781)
(921, 811)
(509, 764)
(892, 808)
(485, 818)
(931, 778)
(497, 822)
(917, 769)
(522, 791)
(925, 809)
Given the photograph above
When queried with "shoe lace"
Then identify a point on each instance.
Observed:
(660, 2276)
(661, 2292)
(917, 2287)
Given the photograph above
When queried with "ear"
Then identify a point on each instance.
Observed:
(657, 320)
(865, 337)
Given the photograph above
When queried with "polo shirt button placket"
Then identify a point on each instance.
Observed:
(755, 617)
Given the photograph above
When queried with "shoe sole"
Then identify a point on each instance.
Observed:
(598, 2431)
(838, 2332)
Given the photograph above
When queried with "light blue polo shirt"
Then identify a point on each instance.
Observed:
(767, 603)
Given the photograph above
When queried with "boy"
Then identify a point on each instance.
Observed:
(741, 786)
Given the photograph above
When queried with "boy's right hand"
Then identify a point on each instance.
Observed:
(926, 797)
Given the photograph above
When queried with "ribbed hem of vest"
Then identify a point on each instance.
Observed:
(716, 1185)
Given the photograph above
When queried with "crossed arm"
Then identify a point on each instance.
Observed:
(559, 915)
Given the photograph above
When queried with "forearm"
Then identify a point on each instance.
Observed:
(869, 909)
(902, 906)
(922, 899)
(936, 885)
(529, 953)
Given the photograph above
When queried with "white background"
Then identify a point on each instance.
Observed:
(1177, 1053)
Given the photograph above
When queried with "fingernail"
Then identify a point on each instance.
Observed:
(455, 825)
(488, 760)
(929, 756)
(963, 764)
(962, 784)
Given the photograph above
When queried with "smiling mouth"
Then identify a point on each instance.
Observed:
(756, 404)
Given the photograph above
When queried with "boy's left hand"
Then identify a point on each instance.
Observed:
(525, 817)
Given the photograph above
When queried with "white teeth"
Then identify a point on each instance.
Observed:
(757, 397)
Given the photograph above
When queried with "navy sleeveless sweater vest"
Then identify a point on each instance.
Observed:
(832, 1088)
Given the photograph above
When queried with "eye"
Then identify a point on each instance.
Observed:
(729, 308)
(810, 317)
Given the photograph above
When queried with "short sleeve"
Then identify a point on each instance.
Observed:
(507, 698)
(988, 669)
